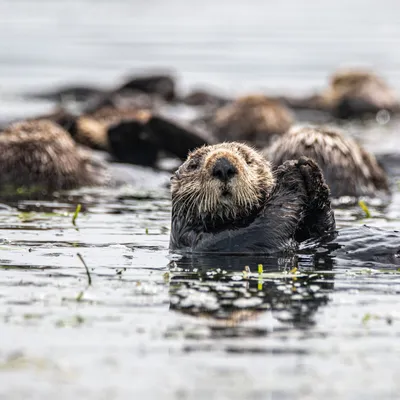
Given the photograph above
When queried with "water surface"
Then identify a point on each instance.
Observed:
(153, 327)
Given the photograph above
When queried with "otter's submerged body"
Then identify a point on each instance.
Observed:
(226, 200)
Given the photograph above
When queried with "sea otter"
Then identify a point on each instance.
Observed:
(356, 92)
(121, 132)
(254, 119)
(204, 98)
(226, 199)
(349, 170)
(351, 93)
(41, 155)
(92, 128)
(161, 85)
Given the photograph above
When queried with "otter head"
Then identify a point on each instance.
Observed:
(220, 183)
(351, 78)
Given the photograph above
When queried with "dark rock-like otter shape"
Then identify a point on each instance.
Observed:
(225, 199)
(349, 170)
(40, 155)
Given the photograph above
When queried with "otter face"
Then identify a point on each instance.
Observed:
(220, 182)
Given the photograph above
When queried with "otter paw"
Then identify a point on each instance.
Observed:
(314, 181)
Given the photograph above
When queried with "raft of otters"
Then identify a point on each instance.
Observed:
(226, 197)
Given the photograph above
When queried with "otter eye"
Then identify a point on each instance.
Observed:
(249, 162)
(193, 165)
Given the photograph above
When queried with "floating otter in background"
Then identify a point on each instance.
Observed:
(92, 129)
(253, 119)
(41, 155)
(161, 84)
(348, 169)
(132, 135)
(352, 93)
(225, 199)
(204, 98)
(117, 131)
(135, 136)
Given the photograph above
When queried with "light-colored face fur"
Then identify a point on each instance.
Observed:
(197, 194)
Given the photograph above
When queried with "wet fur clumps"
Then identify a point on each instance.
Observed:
(349, 170)
(226, 199)
(40, 154)
(252, 119)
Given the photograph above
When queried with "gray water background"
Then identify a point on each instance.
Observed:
(122, 340)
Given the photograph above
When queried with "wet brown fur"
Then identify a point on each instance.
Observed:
(358, 84)
(92, 129)
(349, 169)
(253, 119)
(40, 153)
(197, 195)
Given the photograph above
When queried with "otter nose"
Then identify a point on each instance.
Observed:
(224, 170)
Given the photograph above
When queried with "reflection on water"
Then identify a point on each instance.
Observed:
(230, 290)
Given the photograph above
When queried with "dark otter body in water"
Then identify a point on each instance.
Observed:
(41, 155)
(121, 132)
(348, 169)
(225, 199)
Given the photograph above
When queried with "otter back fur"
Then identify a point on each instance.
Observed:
(348, 169)
(41, 154)
(253, 119)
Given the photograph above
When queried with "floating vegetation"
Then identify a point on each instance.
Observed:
(75, 321)
(246, 272)
(79, 297)
(166, 277)
(368, 317)
(26, 216)
(365, 208)
(21, 191)
(76, 213)
(31, 216)
(260, 269)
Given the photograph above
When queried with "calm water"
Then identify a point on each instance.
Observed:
(162, 329)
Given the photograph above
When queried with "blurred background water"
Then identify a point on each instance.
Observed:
(281, 46)
(137, 331)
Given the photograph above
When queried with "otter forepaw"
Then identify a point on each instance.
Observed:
(319, 217)
(314, 181)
